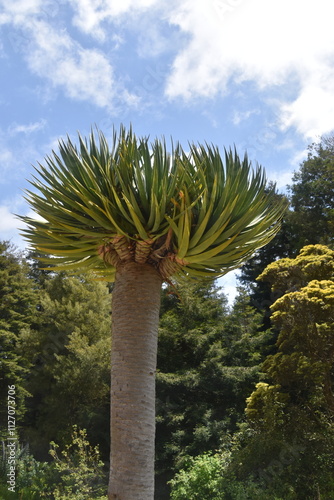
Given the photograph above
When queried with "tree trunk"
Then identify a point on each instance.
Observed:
(135, 319)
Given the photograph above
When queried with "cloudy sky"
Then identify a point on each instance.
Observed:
(255, 73)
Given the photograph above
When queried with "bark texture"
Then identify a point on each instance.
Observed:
(135, 320)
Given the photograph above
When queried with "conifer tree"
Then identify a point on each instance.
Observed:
(17, 314)
(69, 355)
(310, 220)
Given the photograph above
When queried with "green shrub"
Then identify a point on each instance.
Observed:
(76, 473)
(80, 470)
(209, 477)
(201, 479)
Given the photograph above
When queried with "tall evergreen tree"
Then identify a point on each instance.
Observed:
(312, 196)
(208, 359)
(69, 354)
(189, 358)
(310, 220)
(17, 313)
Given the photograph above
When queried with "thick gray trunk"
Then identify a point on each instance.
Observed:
(135, 319)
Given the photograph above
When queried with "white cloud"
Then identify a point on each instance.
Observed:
(6, 159)
(8, 221)
(88, 16)
(299, 157)
(91, 15)
(52, 54)
(270, 43)
(241, 116)
(84, 74)
(10, 224)
(312, 113)
(17, 12)
(27, 129)
(229, 282)
(19, 149)
(281, 178)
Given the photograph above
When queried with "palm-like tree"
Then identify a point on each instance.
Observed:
(137, 215)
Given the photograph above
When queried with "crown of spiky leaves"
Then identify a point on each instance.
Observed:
(184, 213)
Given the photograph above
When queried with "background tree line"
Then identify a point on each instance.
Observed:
(271, 352)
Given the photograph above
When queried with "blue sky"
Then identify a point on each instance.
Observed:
(253, 73)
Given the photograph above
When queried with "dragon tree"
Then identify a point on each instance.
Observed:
(137, 214)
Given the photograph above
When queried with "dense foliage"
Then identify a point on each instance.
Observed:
(203, 344)
(284, 450)
(17, 314)
(295, 404)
